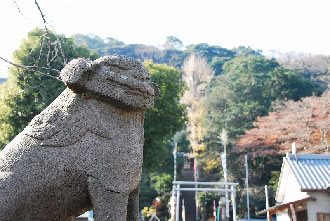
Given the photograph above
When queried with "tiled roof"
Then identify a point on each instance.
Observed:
(312, 171)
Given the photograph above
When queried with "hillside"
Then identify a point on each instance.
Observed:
(171, 53)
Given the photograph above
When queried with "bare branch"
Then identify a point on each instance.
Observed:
(61, 50)
(42, 14)
(46, 68)
(33, 68)
(19, 10)
(57, 44)
(47, 31)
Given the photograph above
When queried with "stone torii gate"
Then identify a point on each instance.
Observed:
(178, 188)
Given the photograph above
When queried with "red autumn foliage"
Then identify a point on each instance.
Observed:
(306, 122)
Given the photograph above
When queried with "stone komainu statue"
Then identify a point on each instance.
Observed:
(84, 151)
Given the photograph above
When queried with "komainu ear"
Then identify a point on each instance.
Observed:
(75, 72)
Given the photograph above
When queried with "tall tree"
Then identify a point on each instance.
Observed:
(197, 74)
(247, 89)
(166, 118)
(161, 123)
(29, 90)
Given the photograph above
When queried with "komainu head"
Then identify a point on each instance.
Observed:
(120, 80)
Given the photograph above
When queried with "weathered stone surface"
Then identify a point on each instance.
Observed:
(84, 150)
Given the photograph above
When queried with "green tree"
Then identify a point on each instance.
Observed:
(96, 43)
(173, 53)
(247, 89)
(216, 56)
(161, 123)
(162, 183)
(242, 51)
(170, 55)
(166, 118)
(27, 92)
(173, 43)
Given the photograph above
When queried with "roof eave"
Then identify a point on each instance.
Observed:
(283, 206)
(314, 190)
(277, 196)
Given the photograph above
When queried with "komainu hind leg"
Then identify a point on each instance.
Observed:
(133, 206)
(107, 205)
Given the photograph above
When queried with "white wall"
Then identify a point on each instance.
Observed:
(292, 191)
(321, 205)
(282, 215)
(289, 189)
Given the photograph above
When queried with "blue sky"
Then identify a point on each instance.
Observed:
(283, 25)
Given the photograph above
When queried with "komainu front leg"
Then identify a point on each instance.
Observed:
(107, 205)
(133, 206)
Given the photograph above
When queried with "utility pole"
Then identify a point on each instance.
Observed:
(175, 150)
(247, 187)
(196, 192)
(267, 202)
(174, 155)
(224, 141)
(233, 199)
